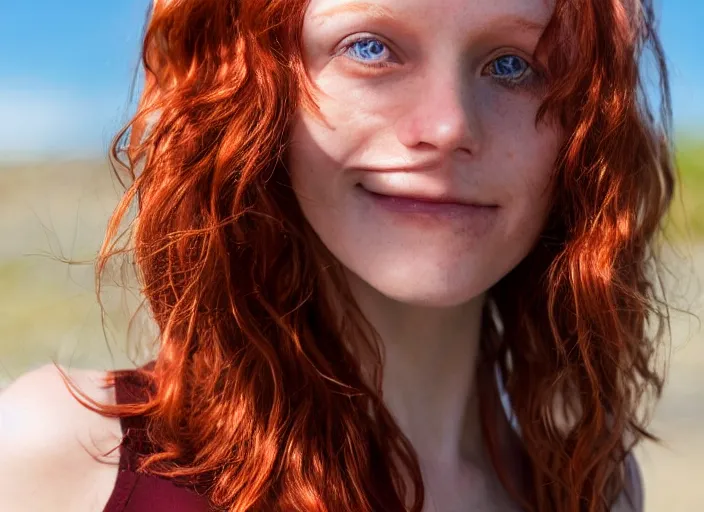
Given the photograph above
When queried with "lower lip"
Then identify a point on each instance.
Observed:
(414, 207)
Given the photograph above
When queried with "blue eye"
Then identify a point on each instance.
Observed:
(511, 69)
(367, 49)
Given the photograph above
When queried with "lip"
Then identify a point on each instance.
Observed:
(441, 199)
(441, 207)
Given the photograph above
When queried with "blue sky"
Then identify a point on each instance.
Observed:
(66, 69)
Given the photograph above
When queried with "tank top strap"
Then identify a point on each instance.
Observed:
(127, 478)
(135, 491)
(132, 388)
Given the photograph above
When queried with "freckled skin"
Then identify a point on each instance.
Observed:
(434, 103)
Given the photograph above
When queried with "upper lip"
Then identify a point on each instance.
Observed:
(419, 192)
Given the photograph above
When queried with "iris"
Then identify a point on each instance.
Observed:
(367, 48)
(508, 67)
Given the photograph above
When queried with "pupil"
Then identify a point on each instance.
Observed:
(508, 65)
(375, 46)
(371, 47)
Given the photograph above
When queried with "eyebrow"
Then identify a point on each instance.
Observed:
(514, 20)
(373, 10)
(378, 11)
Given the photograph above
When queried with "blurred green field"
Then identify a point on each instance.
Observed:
(688, 207)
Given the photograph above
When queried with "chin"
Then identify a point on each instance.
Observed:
(425, 289)
(430, 298)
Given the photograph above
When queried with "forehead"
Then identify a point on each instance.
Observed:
(435, 14)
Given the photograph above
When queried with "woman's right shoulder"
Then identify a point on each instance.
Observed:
(49, 443)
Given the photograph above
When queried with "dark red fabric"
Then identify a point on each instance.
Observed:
(140, 492)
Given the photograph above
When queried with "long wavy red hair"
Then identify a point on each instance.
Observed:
(260, 395)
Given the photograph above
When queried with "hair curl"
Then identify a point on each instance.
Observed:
(260, 393)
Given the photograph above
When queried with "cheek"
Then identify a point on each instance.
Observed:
(313, 162)
(520, 159)
(522, 152)
(319, 146)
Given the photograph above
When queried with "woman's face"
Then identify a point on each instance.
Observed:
(427, 176)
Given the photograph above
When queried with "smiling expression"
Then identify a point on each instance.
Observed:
(427, 176)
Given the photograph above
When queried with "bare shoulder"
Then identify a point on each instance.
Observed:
(37, 406)
(49, 441)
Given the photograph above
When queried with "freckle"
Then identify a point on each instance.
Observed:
(510, 155)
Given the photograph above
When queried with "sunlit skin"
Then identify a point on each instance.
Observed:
(432, 99)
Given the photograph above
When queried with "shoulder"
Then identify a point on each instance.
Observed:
(632, 497)
(49, 441)
(37, 409)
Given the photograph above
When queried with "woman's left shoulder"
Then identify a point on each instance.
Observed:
(631, 499)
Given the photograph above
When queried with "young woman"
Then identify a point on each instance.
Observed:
(401, 255)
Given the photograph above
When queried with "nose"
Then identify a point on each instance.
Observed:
(441, 114)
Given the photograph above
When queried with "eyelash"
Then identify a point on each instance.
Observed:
(529, 80)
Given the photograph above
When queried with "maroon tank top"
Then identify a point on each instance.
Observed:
(140, 492)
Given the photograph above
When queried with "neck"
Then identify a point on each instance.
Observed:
(429, 373)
